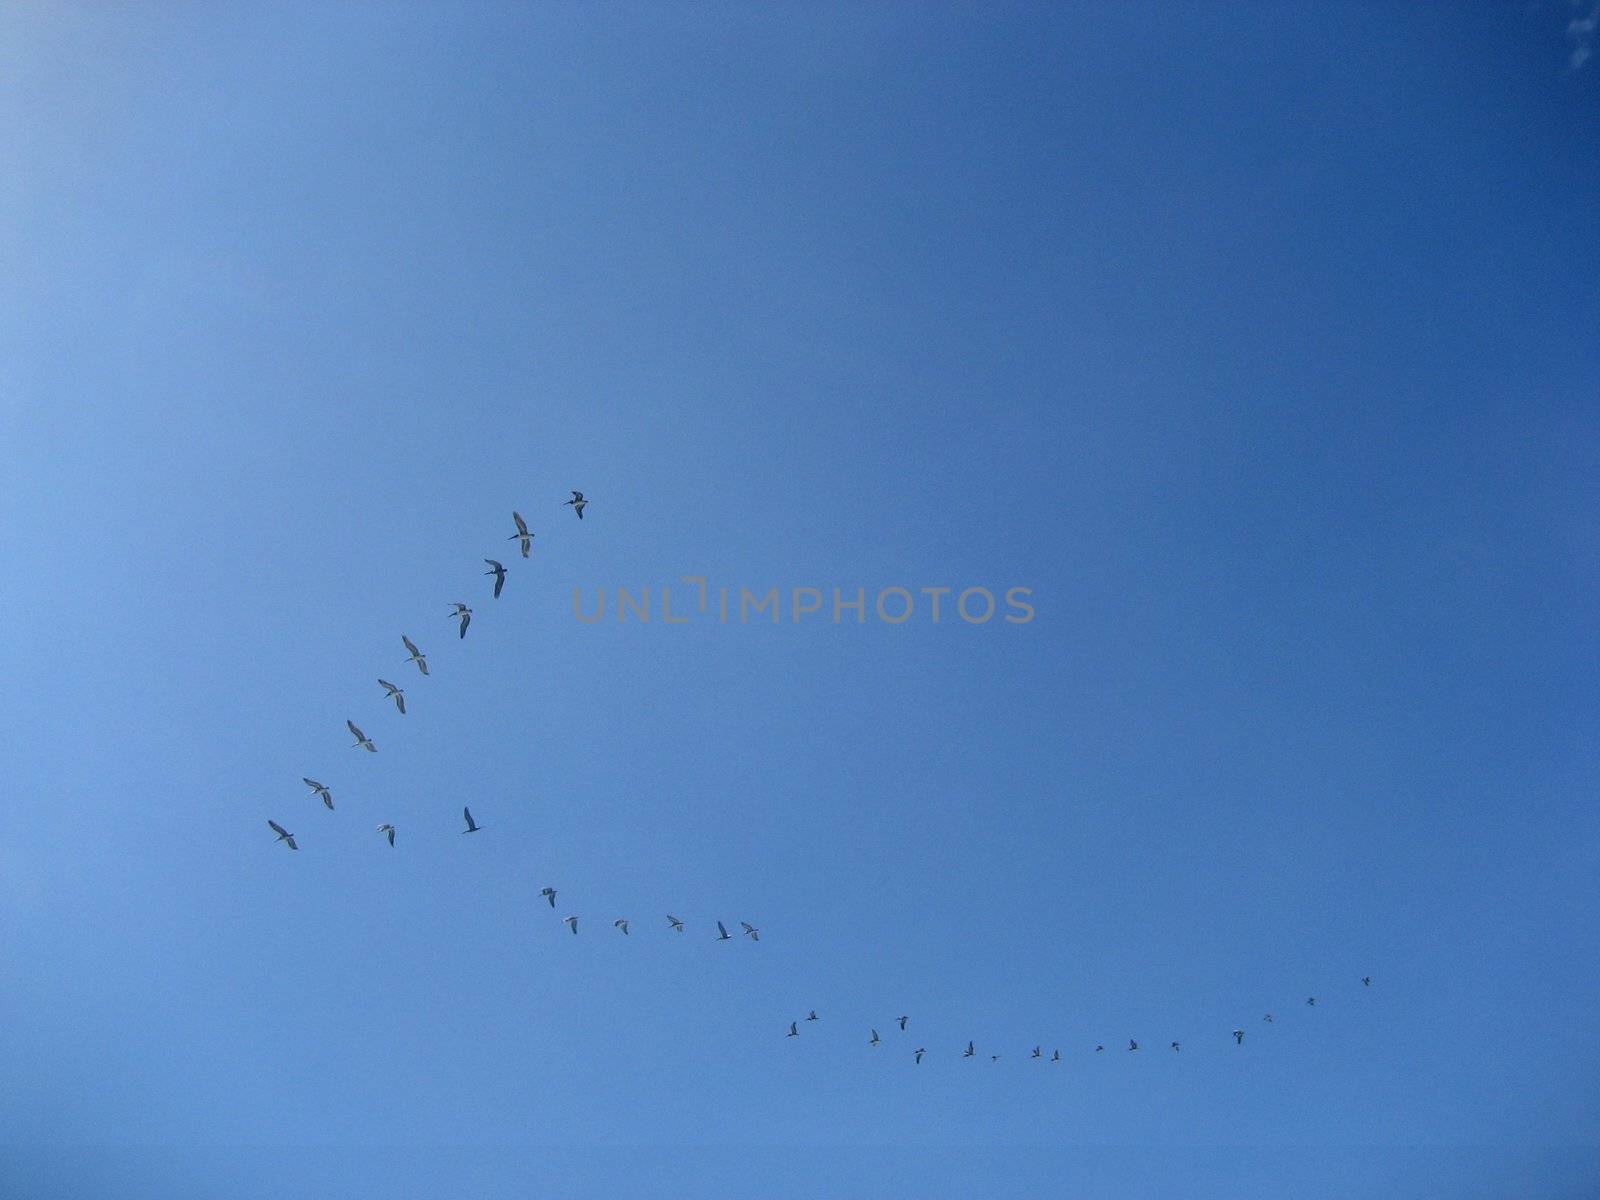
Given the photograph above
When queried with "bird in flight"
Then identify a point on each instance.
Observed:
(1238, 1037)
(1312, 1001)
(323, 793)
(577, 503)
(919, 1052)
(874, 1040)
(465, 614)
(1175, 1046)
(676, 924)
(1132, 1045)
(549, 894)
(388, 829)
(283, 834)
(499, 574)
(1098, 1049)
(1056, 1057)
(622, 924)
(994, 1058)
(722, 932)
(1267, 1018)
(398, 695)
(362, 740)
(812, 1016)
(794, 1029)
(416, 655)
(1037, 1053)
(571, 923)
(1366, 981)
(751, 931)
(968, 1052)
(472, 826)
(902, 1024)
(521, 535)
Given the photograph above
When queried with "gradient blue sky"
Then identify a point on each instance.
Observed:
(1259, 341)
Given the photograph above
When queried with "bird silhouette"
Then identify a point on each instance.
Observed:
(283, 834)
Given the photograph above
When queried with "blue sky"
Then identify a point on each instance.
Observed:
(1258, 343)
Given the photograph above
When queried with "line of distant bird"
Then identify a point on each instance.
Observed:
(460, 612)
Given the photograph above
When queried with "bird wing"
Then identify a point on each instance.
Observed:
(290, 839)
(277, 829)
(467, 813)
(721, 930)
(390, 832)
(578, 508)
(499, 582)
(354, 732)
(400, 702)
(312, 784)
(384, 683)
(576, 496)
(466, 619)
(410, 645)
(499, 570)
(522, 526)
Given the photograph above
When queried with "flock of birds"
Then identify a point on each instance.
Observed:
(462, 614)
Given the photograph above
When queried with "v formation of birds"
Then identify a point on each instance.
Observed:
(462, 614)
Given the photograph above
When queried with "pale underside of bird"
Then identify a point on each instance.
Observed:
(521, 536)
(283, 834)
(549, 894)
(398, 695)
(362, 740)
(722, 932)
(465, 615)
(571, 923)
(416, 655)
(751, 931)
(676, 924)
(387, 829)
(578, 503)
(322, 792)
(622, 924)
(472, 826)
(499, 574)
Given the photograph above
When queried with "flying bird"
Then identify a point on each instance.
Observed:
(1132, 1045)
(994, 1058)
(874, 1040)
(465, 613)
(1238, 1037)
(322, 792)
(577, 503)
(919, 1052)
(521, 535)
(1037, 1053)
(571, 923)
(812, 1016)
(1312, 1001)
(499, 574)
(1267, 1018)
(622, 924)
(416, 655)
(968, 1052)
(1098, 1049)
(750, 930)
(676, 924)
(1175, 1046)
(549, 894)
(388, 829)
(1056, 1057)
(362, 740)
(473, 826)
(1366, 981)
(398, 695)
(794, 1029)
(283, 834)
(722, 932)
(902, 1024)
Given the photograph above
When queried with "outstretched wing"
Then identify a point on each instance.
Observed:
(522, 526)
(354, 732)
(277, 829)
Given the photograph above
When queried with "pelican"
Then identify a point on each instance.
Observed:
(1037, 1053)
(388, 829)
(549, 894)
(722, 932)
(1056, 1057)
(919, 1052)
(362, 740)
(572, 924)
(521, 535)
(465, 614)
(902, 1024)
(577, 503)
(794, 1029)
(417, 656)
(812, 1015)
(324, 793)
(676, 924)
(1175, 1046)
(472, 826)
(398, 695)
(283, 834)
(968, 1052)
(1132, 1045)
(1238, 1037)
(622, 924)
(751, 931)
(874, 1040)
(499, 574)
(1366, 981)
